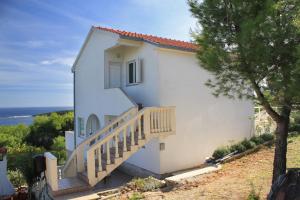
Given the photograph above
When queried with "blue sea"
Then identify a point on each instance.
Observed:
(13, 116)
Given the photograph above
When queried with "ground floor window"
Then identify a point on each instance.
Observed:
(80, 127)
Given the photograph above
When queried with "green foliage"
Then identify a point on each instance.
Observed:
(257, 140)
(253, 195)
(16, 178)
(295, 123)
(250, 46)
(296, 117)
(242, 146)
(146, 184)
(21, 158)
(221, 152)
(267, 137)
(45, 128)
(58, 149)
(248, 144)
(136, 196)
(13, 136)
(239, 147)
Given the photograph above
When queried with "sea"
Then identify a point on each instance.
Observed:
(14, 116)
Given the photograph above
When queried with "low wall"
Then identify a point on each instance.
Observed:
(51, 171)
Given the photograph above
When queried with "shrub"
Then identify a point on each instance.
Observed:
(136, 196)
(248, 144)
(267, 137)
(257, 140)
(239, 147)
(221, 152)
(16, 177)
(253, 195)
(146, 184)
(58, 149)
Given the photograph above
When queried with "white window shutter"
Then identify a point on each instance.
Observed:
(139, 66)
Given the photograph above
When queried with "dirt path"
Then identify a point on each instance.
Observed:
(235, 180)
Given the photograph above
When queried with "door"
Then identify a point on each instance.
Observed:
(115, 75)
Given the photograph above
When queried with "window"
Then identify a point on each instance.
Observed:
(80, 127)
(133, 72)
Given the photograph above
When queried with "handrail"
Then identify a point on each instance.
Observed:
(155, 120)
(125, 114)
(128, 122)
(109, 126)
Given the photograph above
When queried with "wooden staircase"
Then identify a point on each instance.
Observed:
(115, 143)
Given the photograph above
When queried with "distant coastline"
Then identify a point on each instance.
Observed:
(25, 115)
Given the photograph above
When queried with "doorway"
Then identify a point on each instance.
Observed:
(114, 75)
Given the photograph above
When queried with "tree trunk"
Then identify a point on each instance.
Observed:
(281, 133)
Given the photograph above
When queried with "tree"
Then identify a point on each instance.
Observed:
(58, 148)
(46, 127)
(252, 49)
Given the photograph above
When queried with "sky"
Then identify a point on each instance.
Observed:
(39, 40)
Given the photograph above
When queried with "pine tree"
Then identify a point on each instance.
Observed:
(252, 47)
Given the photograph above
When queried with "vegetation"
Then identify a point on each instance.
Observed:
(23, 142)
(136, 196)
(242, 146)
(145, 184)
(16, 177)
(221, 152)
(45, 128)
(252, 48)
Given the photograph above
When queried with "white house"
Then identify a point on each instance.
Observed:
(141, 102)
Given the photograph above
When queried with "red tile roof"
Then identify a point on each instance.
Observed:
(164, 42)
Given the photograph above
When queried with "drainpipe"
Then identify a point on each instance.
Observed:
(74, 115)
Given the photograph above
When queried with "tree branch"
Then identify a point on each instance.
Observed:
(275, 116)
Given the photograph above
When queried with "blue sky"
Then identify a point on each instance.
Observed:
(39, 40)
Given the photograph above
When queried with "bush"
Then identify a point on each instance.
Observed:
(136, 196)
(257, 140)
(267, 137)
(221, 152)
(146, 184)
(58, 149)
(16, 177)
(239, 147)
(248, 144)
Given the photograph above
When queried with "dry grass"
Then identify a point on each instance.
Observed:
(236, 179)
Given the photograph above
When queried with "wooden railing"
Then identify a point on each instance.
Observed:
(77, 156)
(109, 152)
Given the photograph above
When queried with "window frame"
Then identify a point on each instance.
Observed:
(81, 128)
(134, 72)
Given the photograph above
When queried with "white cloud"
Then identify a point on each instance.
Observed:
(68, 61)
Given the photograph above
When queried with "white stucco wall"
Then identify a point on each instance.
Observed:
(90, 95)
(146, 93)
(203, 122)
(170, 78)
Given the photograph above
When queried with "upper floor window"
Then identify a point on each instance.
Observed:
(134, 72)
